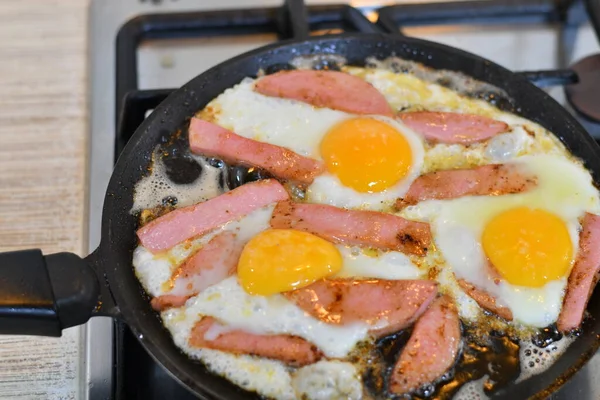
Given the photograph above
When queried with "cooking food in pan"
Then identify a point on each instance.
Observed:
(406, 239)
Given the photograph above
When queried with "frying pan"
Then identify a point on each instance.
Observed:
(41, 295)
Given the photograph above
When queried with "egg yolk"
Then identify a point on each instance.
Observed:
(278, 260)
(366, 154)
(528, 247)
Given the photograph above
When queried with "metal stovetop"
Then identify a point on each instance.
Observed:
(170, 63)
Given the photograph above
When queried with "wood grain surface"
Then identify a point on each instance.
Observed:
(43, 141)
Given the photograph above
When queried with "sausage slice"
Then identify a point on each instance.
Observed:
(486, 180)
(289, 349)
(354, 227)
(342, 301)
(584, 275)
(212, 140)
(188, 222)
(431, 350)
(451, 128)
(215, 261)
(331, 89)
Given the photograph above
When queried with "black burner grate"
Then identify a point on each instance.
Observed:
(394, 18)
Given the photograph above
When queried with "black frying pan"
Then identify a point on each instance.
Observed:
(43, 295)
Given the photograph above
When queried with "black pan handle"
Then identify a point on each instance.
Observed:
(42, 295)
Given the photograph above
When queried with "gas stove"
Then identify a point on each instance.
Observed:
(141, 49)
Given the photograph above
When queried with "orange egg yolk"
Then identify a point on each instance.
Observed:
(528, 247)
(278, 260)
(366, 154)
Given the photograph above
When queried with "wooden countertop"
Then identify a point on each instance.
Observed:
(43, 132)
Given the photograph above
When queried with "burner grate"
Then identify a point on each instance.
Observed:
(394, 18)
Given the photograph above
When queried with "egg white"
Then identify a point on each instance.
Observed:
(501, 148)
(328, 380)
(405, 91)
(408, 92)
(455, 227)
(507, 146)
(564, 188)
(391, 265)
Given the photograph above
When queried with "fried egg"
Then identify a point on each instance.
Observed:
(370, 160)
(530, 238)
(270, 312)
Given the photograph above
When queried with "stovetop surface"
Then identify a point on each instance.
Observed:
(530, 39)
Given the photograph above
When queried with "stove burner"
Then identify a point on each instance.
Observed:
(584, 95)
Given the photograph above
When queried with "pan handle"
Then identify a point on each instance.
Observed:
(42, 295)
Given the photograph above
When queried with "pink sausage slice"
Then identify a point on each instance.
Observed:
(331, 89)
(446, 127)
(188, 222)
(431, 350)
(485, 300)
(354, 227)
(289, 349)
(211, 140)
(211, 264)
(167, 301)
(343, 301)
(584, 275)
(486, 180)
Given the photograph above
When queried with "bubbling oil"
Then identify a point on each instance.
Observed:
(159, 189)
